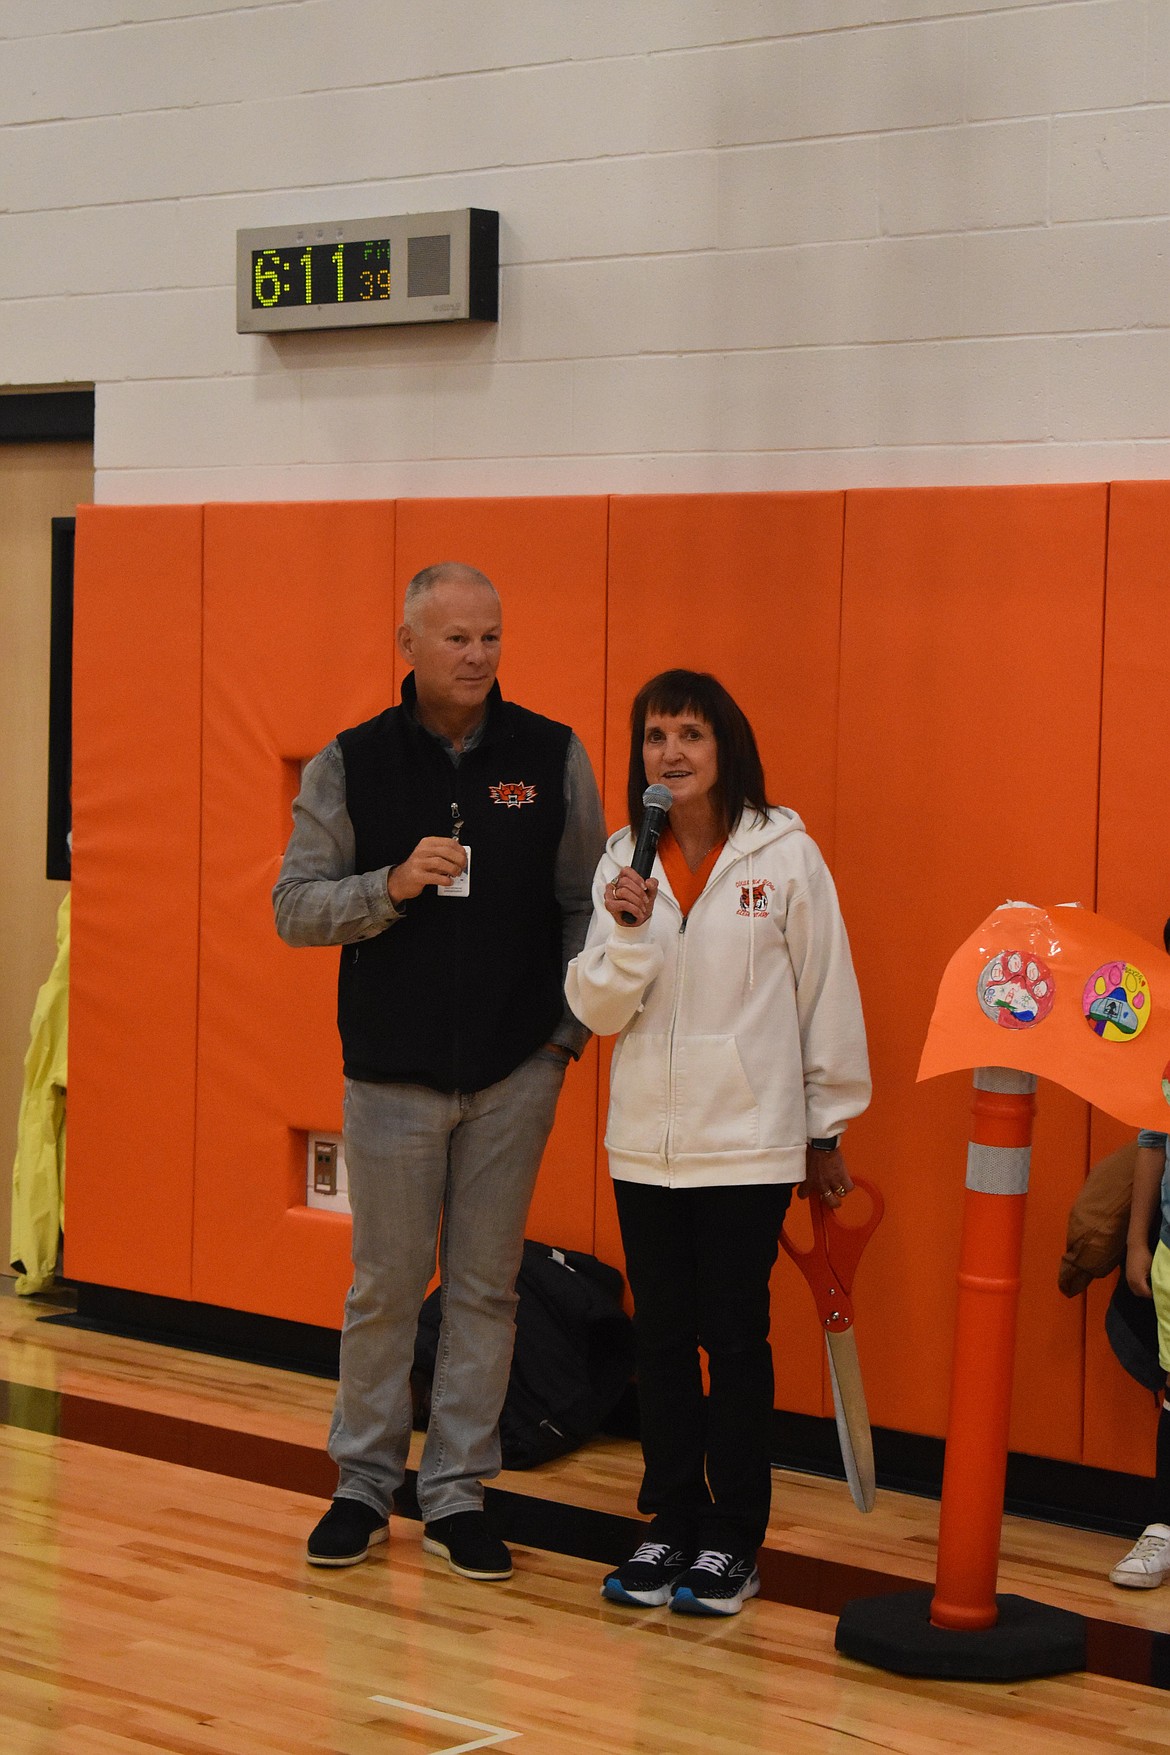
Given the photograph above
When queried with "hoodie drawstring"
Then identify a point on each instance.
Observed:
(751, 924)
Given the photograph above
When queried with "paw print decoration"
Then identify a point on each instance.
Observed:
(1116, 1002)
(1016, 990)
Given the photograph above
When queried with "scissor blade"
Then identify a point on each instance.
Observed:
(852, 1417)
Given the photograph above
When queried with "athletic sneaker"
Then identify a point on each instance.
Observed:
(719, 1583)
(465, 1540)
(346, 1534)
(645, 1579)
(1148, 1561)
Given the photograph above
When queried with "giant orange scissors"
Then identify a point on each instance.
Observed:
(829, 1267)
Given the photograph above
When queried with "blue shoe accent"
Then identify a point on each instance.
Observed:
(646, 1579)
(613, 1592)
(685, 1602)
(719, 1583)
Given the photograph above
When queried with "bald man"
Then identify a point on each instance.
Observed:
(448, 846)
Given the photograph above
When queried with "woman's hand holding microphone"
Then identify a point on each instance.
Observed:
(628, 894)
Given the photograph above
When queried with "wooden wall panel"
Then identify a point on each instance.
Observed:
(298, 643)
(970, 725)
(1133, 871)
(747, 586)
(136, 786)
(547, 558)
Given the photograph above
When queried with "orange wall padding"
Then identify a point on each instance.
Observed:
(135, 940)
(747, 586)
(298, 642)
(1133, 874)
(924, 670)
(967, 775)
(1135, 797)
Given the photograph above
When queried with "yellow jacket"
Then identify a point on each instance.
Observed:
(38, 1176)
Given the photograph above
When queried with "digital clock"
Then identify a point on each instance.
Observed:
(413, 268)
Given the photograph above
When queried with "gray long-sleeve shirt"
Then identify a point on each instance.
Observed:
(320, 899)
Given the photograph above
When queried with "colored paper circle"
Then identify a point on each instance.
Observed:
(1116, 1002)
(1016, 990)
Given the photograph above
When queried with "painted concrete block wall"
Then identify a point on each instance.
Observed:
(745, 243)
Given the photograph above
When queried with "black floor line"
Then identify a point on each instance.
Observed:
(1132, 1654)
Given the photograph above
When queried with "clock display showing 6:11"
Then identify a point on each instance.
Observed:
(321, 274)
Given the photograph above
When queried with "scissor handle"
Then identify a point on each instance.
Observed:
(829, 1266)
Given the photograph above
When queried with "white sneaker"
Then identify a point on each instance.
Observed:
(1148, 1561)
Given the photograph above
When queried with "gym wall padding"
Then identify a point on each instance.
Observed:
(967, 774)
(136, 737)
(747, 586)
(298, 641)
(549, 556)
(924, 669)
(1133, 873)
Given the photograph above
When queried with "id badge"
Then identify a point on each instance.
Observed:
(460, 886)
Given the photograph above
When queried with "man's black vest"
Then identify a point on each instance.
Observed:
(462, 989)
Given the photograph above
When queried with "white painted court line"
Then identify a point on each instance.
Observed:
(494, 1737)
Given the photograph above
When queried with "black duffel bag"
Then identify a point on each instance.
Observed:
(573, 1361)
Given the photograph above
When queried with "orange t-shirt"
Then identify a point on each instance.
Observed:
(687, 885)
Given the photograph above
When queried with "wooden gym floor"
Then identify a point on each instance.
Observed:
(155, 1597)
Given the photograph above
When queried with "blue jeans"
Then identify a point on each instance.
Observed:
(415, 1156)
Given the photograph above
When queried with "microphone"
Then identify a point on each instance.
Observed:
(656, 803)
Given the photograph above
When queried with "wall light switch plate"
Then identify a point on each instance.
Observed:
(327, 1188)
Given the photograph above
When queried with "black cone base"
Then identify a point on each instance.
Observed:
(894, 1633)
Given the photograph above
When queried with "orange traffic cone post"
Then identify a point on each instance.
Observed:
(998, 1159)
(1062, 994)
(965, 1631)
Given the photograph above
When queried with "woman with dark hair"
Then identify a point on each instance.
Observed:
(740, 1058)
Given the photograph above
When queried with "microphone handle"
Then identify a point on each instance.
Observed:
(653, 822)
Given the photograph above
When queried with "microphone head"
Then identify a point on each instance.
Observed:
(657, 798)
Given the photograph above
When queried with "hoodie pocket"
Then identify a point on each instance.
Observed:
(637, 1106)
(715, 1106)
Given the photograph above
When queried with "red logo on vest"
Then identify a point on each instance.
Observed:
(513, 793)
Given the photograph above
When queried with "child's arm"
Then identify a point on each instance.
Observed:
(1147, 1188)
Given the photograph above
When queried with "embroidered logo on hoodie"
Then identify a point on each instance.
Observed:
(759, 898)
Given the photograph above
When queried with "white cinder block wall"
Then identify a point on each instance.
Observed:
(746, 243)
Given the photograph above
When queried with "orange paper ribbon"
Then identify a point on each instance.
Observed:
(1065, 994)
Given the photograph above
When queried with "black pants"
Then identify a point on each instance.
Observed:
(699, 1261)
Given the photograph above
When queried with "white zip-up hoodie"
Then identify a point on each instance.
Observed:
(741, 1034)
